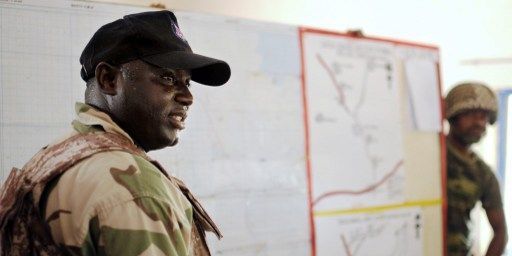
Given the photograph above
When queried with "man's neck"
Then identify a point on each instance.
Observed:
(460, 145)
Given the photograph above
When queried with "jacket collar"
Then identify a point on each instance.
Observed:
(471, 158)
(90, 116)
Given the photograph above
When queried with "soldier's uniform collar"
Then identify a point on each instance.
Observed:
(90, 116)
(470, 159)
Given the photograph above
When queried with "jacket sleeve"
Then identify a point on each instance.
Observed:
(491, 195)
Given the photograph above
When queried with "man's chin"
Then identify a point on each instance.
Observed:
(472, 139)
(170, 137)
(164, 142)
(174, 142)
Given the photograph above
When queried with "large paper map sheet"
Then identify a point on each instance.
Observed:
(242, 153)
(354, 122)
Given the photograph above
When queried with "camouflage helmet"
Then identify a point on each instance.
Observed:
(469, 96)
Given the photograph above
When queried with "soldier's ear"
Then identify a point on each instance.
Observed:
(107, 78)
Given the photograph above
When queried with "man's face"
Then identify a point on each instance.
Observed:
(469, 127)
(152, 103)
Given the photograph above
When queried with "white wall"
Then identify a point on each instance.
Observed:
(474, 36)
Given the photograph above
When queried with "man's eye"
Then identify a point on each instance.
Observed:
(169, 79)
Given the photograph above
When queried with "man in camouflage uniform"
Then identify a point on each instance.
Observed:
(117, 201)
(469, 107)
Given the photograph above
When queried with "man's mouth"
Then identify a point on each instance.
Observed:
(178, 119)
(477, 130)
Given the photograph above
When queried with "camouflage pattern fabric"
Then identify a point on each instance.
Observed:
(469, 180)
(22, 230)
(119, 202)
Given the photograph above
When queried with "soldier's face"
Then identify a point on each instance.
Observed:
(469, 126)
(154, 103)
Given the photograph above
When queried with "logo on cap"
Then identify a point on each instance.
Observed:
(177, 32)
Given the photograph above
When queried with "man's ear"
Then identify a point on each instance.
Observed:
(106, 76)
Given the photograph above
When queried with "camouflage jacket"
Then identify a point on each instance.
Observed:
(470, 180)
(113, 202)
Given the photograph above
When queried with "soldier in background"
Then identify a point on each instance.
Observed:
(96, 191)
(469, 107)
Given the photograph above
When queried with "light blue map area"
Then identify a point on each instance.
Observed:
(243, 150)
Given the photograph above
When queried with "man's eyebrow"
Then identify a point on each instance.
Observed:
(163, 70)
(166, 71)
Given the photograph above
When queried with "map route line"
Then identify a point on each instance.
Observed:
(376, 209)
(345, 245)
(339, 88)
(368, 189)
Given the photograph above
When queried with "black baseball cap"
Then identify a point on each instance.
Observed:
(156, 38)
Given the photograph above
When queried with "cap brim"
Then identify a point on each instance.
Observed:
(203, 70)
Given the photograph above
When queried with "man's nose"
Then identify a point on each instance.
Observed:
(185, 97)
(481, 119)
